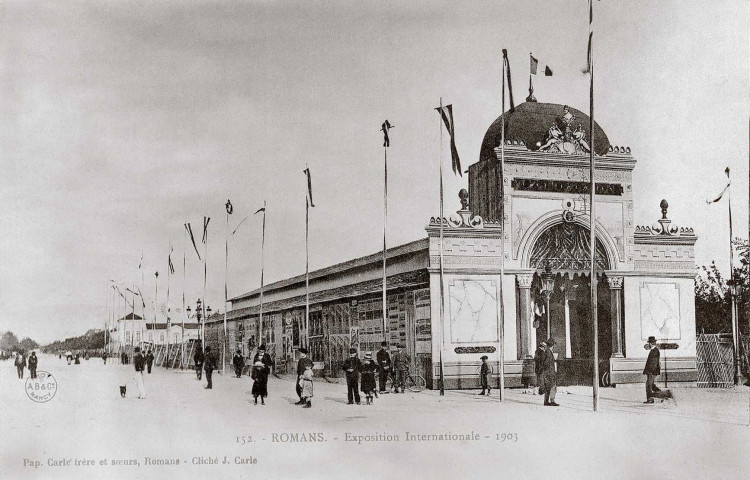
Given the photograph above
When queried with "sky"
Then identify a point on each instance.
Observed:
(120, 121)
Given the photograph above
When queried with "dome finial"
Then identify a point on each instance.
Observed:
(531, 97)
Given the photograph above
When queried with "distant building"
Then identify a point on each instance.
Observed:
(131, 330)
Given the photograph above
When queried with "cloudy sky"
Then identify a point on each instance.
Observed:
(119, 121)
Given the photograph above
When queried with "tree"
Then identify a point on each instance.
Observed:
(8, 342)
(713, 310)
(28, 344)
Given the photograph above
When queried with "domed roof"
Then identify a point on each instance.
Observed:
(531, 123)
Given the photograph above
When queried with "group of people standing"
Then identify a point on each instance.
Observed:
(368, 370)
(20, 363)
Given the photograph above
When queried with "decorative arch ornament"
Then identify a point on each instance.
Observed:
(606, 245)
(565, 246)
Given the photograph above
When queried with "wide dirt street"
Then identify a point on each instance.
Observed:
(181, 429)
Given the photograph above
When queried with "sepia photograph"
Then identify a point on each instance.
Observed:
(332, 239)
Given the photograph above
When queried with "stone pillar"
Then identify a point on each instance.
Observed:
(526, 321)
(615, 290)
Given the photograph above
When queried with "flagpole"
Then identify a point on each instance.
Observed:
(156, 300)
(182, 333)
(735, 327)
(385, 225)
(442, 295)
(169, 323)
(592, 168)
(501, 323)
(307, 269)
(226, 273)
(262, 266)
(205, 275)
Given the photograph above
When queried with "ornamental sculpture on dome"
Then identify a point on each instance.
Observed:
(562, 138)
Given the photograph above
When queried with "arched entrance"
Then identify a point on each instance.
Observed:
(561, 252)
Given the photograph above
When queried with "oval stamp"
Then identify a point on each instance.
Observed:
(42, 388)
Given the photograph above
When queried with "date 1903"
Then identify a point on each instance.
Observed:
(506, 437)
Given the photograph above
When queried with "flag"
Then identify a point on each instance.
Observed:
(309, 186)
(384, 128)
(261, 209)
(589, 59)
(547, 71)
(140, 262)
(171, 266)
(534, 64)
(510, 86)
(726, 170)
(192, 239)
(140, 295)
(229, 206)
(446, 113)
(205, 229)
(238, 225)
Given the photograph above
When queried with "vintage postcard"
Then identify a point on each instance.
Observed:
(374, 240)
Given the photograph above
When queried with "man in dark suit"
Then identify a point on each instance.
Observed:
(549, 375)
(384, 363)
(139, 362)
(149, 361)
(33, 362)
(301, 365)
(352, 366)
(652, 370)
(198, 360)
(209, 365)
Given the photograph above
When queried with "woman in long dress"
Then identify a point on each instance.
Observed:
(260, 381)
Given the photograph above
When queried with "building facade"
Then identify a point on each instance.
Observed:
(518, 245)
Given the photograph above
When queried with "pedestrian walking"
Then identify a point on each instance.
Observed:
(307, 385)
(104, 357)
(78, 359)
(401, 363)
(239, 362)
(539, 355)
(384, 364)
(549, 375)
(485, 371)
(260, 381)
(198, 359)
(139, 362)
(352, 366)
(301, 365)
(653, 370)
(369, 387)
(20, 363)
(149, 361)
(69, 356)
(209, 365)
(33, 362)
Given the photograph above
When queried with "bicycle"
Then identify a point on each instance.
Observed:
(414, 382)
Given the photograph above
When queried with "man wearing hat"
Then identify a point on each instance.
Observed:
(139, 362)
(384, 363)
(209, 365)
(539, 355)
(549, 375)
(301, 365)
(484, 375)
(352, 367)
(652, 370)
(238, 361)
(401, 364)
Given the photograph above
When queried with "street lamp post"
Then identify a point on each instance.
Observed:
(548, 285)
(734, 290)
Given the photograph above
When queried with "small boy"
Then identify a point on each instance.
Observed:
(368, 378)
(484, 375)
(307, 386)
